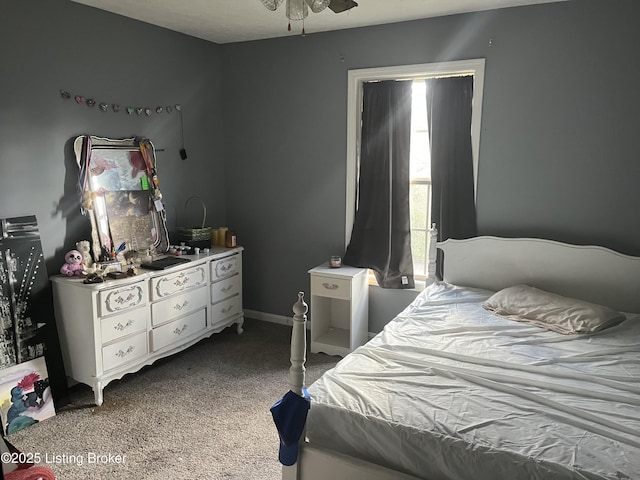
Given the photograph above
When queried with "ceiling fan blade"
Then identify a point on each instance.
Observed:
(342, 5)
(272, 4)
(317, 6)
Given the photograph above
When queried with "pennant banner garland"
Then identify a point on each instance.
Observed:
(114, 107)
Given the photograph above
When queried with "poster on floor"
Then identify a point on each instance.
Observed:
(25, 395)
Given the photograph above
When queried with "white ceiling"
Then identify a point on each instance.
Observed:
(226, 21)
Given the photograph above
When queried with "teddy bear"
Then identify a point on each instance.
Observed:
(73, 265)
(84, 247)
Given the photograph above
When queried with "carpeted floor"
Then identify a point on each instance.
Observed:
(203, 413)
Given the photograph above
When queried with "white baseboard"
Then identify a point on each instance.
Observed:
(269, 317)
(279, 319)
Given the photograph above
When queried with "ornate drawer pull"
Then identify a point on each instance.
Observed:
(181, 282)
(330, 286)
(121, 327)
(180, 307)
(226, 289)
(227, 309)
(126, 299)
(178, 331)
(122, 354)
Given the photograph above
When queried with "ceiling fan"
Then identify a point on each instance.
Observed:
(299, 9)
(341, 5)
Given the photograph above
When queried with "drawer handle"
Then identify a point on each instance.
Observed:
(180, 307)
(330, 286)
(226, 289)
(226, 309)
(122, 354)
(126, 299)
(121, 327)
(225, 268)
(181, 283)
(179, 331)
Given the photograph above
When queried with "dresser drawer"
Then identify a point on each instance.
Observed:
(124, 351)
(226, 288)
(123, 324)
(225, 309)
(225, 267)
(175, 332)
(330, 287)
(178, 305)
(121, 298)
(175, 282)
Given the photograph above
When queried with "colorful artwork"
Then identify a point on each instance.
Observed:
(25, 395)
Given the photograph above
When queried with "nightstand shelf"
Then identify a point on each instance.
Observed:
(339, 309)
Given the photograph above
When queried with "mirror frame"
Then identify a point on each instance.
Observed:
(131, 176)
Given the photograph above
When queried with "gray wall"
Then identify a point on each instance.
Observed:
(48, 45)
(558, 156)
(265, 126)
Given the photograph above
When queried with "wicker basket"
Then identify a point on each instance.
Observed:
(193, 233)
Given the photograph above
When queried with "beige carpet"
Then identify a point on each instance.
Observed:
(201, 414)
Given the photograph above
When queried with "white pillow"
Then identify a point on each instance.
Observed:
(524, 303)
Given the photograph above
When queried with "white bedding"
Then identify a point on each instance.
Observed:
(449, 390)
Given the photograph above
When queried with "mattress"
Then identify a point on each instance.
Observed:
(449, 390)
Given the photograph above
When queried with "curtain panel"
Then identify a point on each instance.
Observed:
(449, 106)
(381, 236)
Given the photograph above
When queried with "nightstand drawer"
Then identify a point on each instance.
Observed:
(177, 282)
(330, 287)
(122, 298)
(225, 288)
(124, 351)
(177, 305)
(123, 324)
(177, 331)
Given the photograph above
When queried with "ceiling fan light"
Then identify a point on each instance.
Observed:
(297, 9)
(318, 5)
(272, 4)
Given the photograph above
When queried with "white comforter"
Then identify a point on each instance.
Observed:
(449, 390)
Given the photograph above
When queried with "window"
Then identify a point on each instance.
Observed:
(420, 188)
(420, 182)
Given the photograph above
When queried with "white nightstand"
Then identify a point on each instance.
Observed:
(339, 309)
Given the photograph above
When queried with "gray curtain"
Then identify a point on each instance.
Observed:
(381, 236)
(449, 106)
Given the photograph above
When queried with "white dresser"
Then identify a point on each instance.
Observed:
(117, 327)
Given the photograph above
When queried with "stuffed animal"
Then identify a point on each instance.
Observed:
(84, 247)
(73, 267)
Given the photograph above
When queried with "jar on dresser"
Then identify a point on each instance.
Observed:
(117, 327)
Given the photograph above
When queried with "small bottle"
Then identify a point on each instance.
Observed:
(230, 239)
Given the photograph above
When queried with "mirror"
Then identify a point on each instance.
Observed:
(119, 183)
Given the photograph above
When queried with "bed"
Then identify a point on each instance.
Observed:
(455, 388)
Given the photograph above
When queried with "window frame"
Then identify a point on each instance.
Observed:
(356, 79)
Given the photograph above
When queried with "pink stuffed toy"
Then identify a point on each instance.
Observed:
(74, 266)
